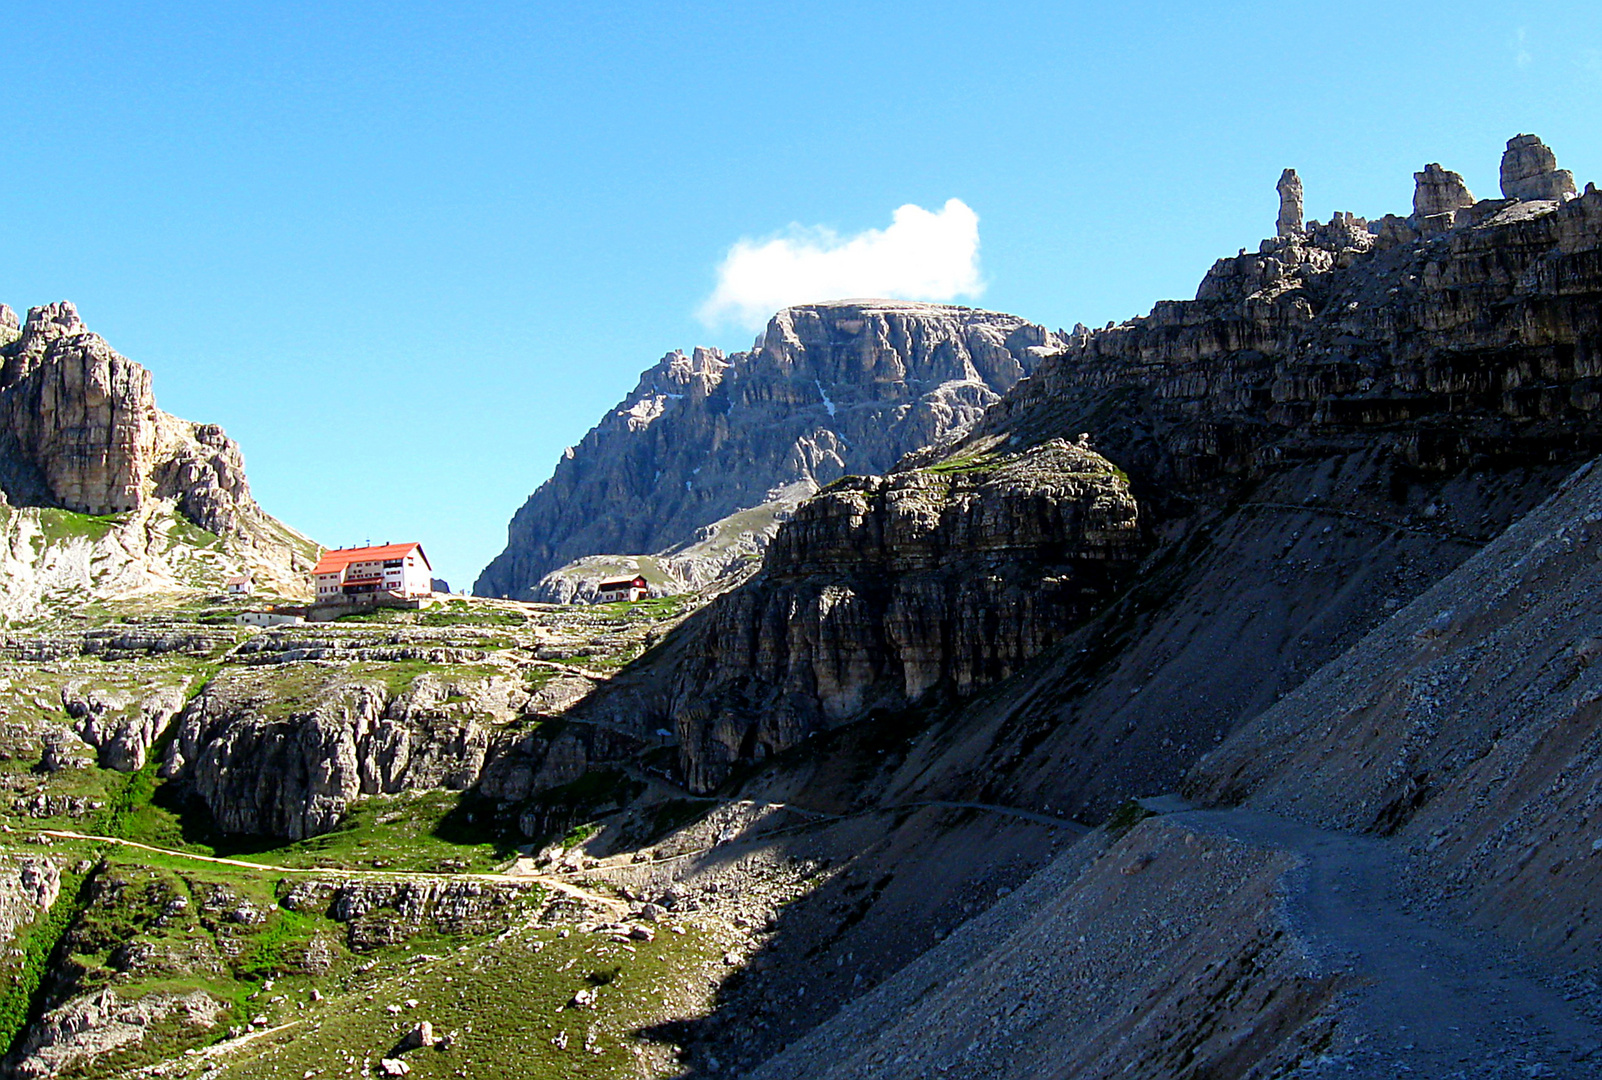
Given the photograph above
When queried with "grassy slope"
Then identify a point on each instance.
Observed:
(499, 995)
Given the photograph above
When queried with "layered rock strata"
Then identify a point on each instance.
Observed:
(278, 757)
(885, 588)
(1480, 340)
(831, 389)
(1529, 171)
(1439, 191)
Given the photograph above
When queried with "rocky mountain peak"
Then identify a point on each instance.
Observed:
(80, 431)
(847, 386)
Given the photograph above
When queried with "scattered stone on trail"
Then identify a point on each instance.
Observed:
(420, 1036)
(584, 999)
(393, 1067)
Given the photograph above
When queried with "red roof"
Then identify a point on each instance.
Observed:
(336, 559)
(635, 582)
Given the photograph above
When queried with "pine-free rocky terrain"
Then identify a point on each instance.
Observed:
(1212, 695)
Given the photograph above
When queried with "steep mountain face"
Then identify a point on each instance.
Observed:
(885, 589)
(1331, 427)
(832, 389)
(1335, 425)
(80, 432)
(1467, 728)
(1442, 773)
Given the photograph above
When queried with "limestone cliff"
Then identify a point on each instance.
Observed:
(80, 433)
(1446, 336)
(883, 589)
(278, 754)
(831, 389)
(1333, 424)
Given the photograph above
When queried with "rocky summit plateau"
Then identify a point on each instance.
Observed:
(1207, 696)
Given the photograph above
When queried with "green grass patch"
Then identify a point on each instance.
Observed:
(37, 944)
(505, 1003)
(578, 834)
(62, 525)
(426, 832)
(1126, 817)
(967, 463)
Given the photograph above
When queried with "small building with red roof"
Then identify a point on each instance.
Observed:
(352, 575)
(630, 589)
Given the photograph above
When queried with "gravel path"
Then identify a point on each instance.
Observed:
(331, 871)
(1435, 1001)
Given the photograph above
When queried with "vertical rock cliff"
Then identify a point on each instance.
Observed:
(80, 432)
(831, 389)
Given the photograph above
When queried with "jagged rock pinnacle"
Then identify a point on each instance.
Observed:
(1529, 171)
(1439, 191)
(1290, 203)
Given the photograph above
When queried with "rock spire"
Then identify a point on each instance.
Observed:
(1529, 171)
(1439, 191)
(1290, 203)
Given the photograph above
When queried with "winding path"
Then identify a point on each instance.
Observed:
(330, 871)
(1435, 1001)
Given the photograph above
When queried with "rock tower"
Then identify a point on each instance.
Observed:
(1290, 203)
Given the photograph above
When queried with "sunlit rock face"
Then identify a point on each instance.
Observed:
(830, 390)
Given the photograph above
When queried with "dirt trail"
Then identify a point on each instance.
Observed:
(1434, 1000)
(327, 871)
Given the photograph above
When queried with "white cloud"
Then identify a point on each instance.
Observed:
(1521, 54)
(923, 255)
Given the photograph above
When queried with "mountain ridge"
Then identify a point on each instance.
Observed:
(831, 389)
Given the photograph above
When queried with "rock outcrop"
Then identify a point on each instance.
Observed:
(102, 1024)
(1439, 191)
(831, 389)
(1290, 204)
(80, 431)
(389, 912)
(1529, 171)
(885, 588)
(285, 755)
(121, 725)
(28, 887)
(81, 414)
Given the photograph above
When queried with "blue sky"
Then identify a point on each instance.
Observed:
(406, 253)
